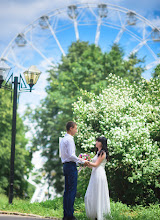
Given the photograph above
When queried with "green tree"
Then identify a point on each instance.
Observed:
(156, 72)
(84, 67)
(129, 116)
(22, 156)
(130, 69)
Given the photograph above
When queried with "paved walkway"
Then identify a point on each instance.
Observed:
(18, 217)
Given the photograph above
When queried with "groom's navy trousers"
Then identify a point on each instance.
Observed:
(70, 173)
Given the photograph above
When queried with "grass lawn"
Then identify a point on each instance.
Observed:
(54, 208)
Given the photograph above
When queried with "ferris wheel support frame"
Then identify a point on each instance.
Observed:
(76, 29)
(98, 31)
(55, 37)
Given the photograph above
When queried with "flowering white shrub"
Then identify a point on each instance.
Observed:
(129, 116)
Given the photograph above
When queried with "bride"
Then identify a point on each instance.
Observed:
(97, 202)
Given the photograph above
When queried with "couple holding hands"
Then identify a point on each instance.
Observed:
(97, 202)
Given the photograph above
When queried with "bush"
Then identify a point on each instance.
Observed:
(128, 115)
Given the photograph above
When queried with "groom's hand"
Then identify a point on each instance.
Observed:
(86, 163)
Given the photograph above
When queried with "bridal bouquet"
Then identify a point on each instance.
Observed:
(84, 157)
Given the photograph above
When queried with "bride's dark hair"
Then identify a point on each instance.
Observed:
(103, 140)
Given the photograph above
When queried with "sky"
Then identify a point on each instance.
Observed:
(15, 15)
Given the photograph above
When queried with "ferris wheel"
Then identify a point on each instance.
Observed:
(48, 37)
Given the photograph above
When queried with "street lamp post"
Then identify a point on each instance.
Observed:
(13, 139)
(31, 76)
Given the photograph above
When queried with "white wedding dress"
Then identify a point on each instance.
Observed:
(97, 202)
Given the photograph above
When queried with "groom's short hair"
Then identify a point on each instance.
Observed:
(70, 124)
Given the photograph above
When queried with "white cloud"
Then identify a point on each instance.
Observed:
(156, 21)
(15, 15)
(21, 109)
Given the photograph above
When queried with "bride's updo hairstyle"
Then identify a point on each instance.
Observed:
(103, 140)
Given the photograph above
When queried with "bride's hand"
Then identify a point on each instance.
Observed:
(89, 165)
(86, 163)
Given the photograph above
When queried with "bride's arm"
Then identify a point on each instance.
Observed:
(98, 161)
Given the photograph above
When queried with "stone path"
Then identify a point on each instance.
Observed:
(21, 216)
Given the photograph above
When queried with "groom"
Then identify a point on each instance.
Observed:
(69, 160)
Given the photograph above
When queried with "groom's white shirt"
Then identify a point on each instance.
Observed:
(68, 149)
